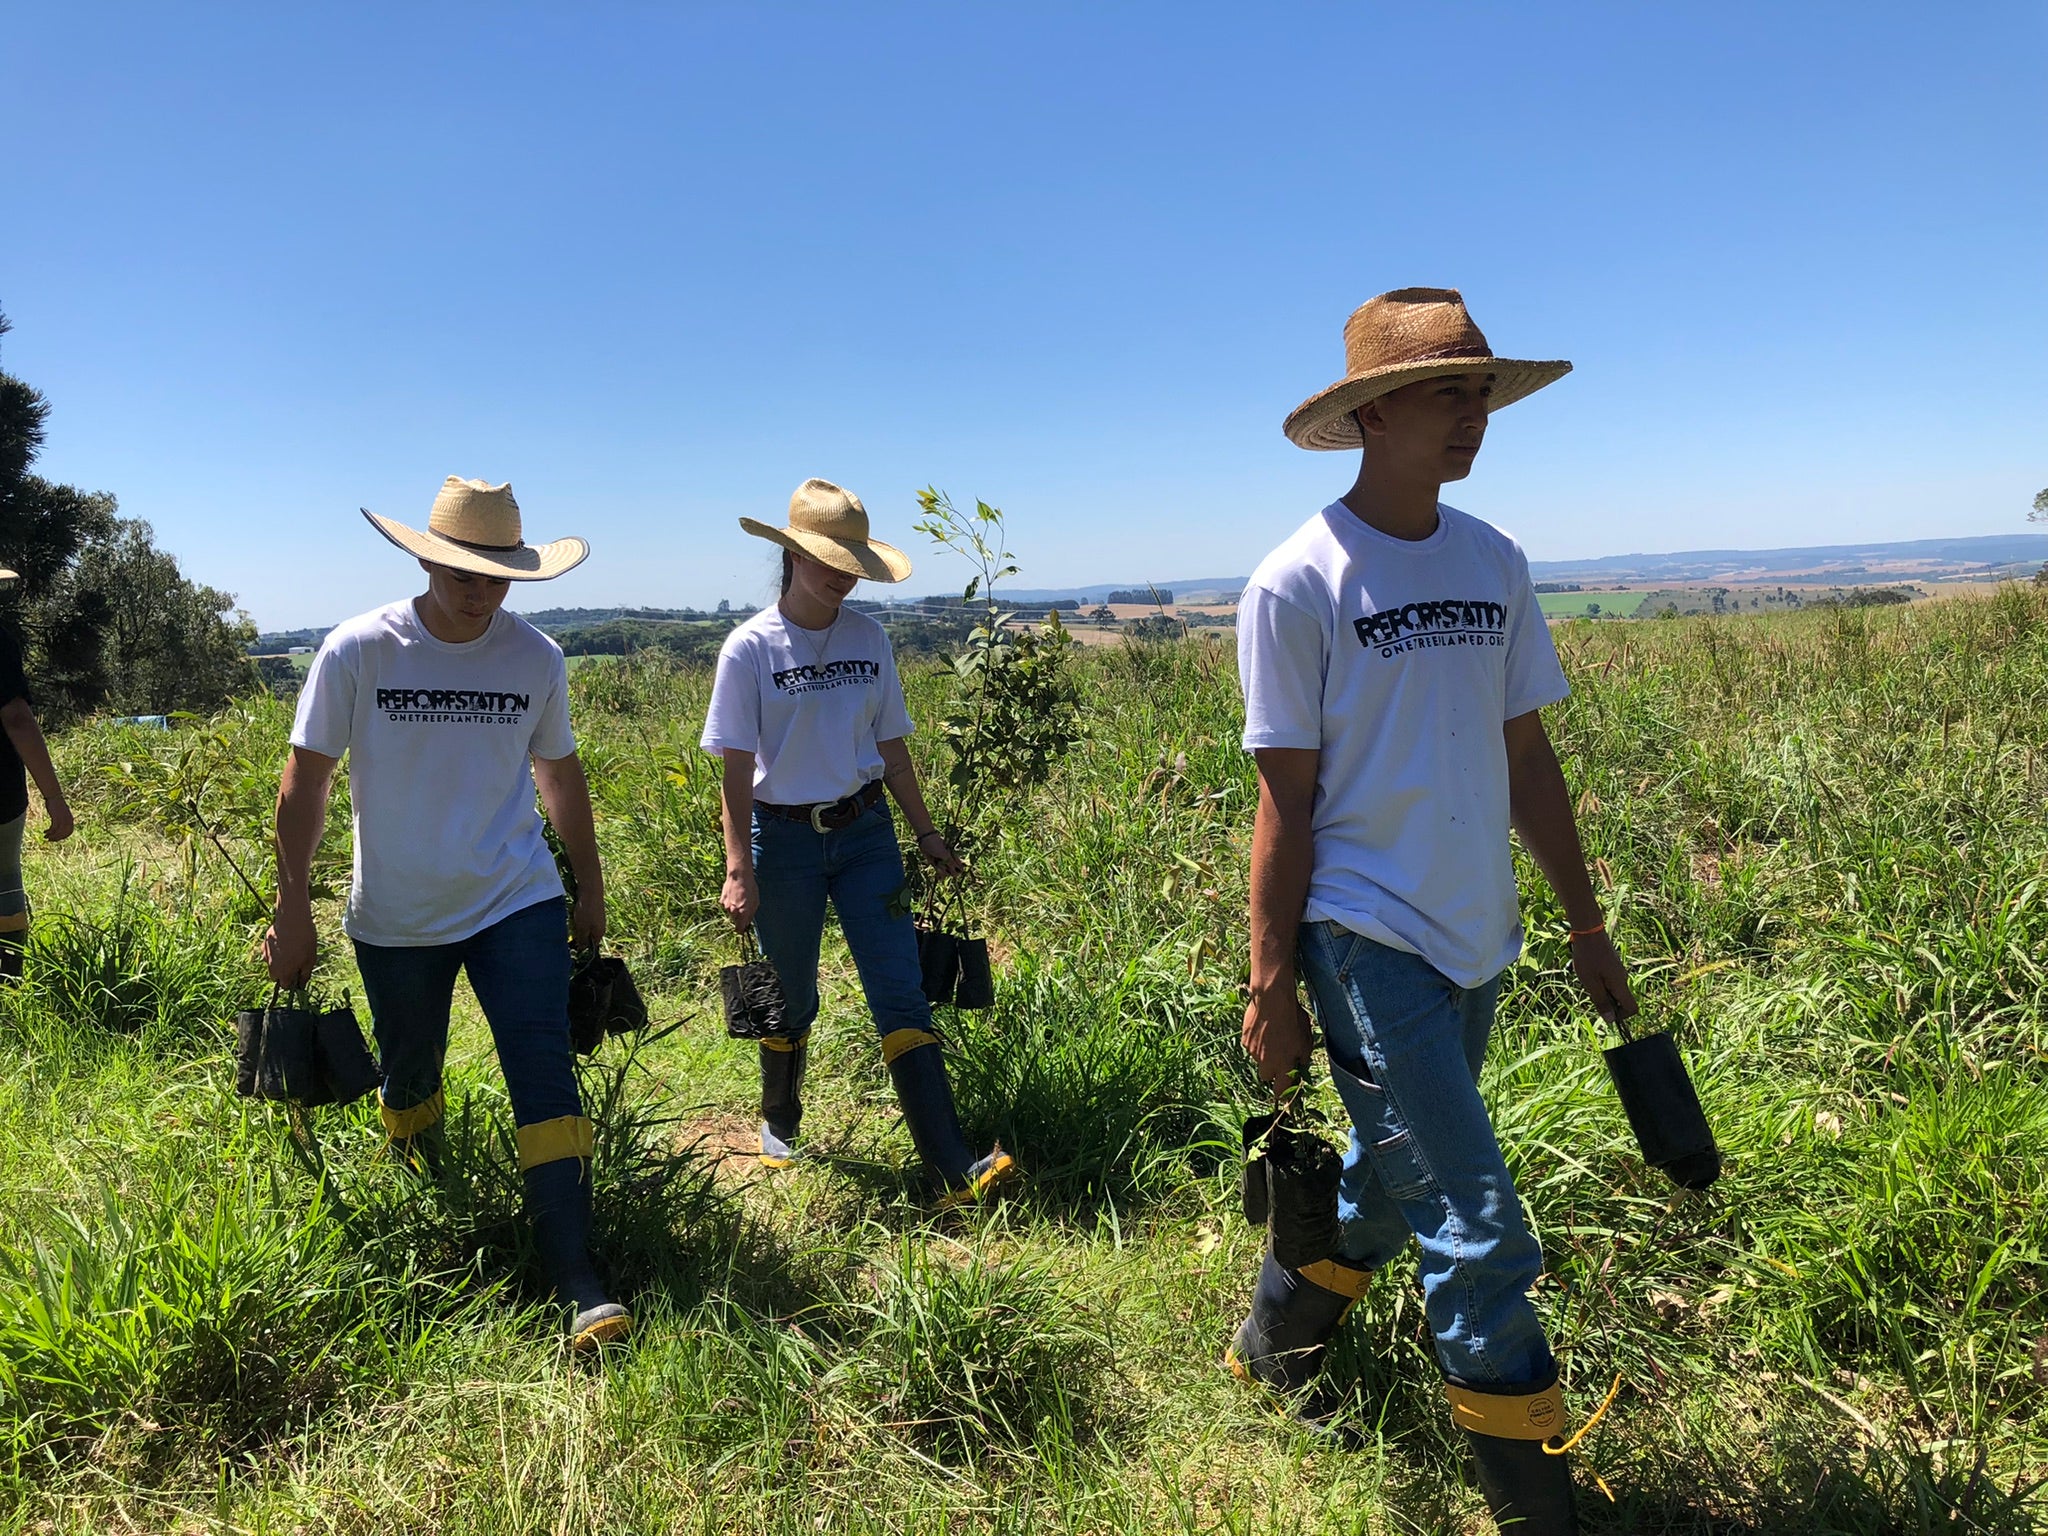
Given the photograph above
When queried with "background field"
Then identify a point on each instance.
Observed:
(1821, 843)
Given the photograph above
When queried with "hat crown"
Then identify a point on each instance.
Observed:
(819, 506)
(1410, 325)
(476, 512)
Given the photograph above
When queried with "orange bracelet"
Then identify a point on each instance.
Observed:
(1585, 933)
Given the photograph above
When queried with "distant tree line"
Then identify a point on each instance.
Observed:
(1160, 595)
(106, 620)
(626, 637)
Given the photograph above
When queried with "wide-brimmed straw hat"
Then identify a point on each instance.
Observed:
(474, 527)
(1401, 338)
(829, 524)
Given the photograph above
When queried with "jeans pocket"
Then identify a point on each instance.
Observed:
(1384, 1134)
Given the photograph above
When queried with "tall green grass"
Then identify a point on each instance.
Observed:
(1821, 843)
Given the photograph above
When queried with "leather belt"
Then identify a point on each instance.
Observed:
(830, 815)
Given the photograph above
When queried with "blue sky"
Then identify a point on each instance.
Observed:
(657, 264)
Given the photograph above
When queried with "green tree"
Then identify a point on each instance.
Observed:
(106, 619)
(170, 643)
(2039, 514)
(43, 526)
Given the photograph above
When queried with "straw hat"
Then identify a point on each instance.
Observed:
(1400, 338)
(829, 524)
(474, 527)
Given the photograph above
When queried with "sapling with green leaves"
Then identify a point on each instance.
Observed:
(1015, 707)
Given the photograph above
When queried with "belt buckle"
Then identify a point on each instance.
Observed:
(818, 817)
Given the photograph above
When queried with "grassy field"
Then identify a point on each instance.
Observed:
(1821, 841)
(1574, 605)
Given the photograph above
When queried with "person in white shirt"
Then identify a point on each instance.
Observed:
(807, 713)
(1394, 663)
(451, 712)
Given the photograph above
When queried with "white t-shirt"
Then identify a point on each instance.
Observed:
(1400, 661)
(448, 838)
(810, 704)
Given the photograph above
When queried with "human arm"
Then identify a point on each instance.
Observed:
(565, 794)
(741, 897)
(18, 718)
(289, 947)
(1276, 1026)
(1540, 809)
(900, 774)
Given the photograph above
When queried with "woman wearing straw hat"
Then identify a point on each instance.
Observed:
(452, 711)
(1395, 661)
(807, 712)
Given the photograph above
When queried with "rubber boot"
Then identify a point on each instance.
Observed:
(1294, 1315)
(1526, 1483)
(782, 1105)
(918, 1067)
(415, 1132)
(558, 1201)
(13, 941)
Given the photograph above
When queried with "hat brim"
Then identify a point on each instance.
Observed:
(869, 559)
(1324, 420)
(529, 562)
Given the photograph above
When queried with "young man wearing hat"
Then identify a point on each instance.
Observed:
(1394, 661)
(452, 711)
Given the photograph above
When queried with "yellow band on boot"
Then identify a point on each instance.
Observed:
(784, 1043)
(901, 1042)
(1340, 1279)
(1538, 1416)
(13, 922)
(402, 1123)
(553, 1141)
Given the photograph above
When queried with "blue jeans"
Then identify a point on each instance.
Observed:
(519, 969)
(1405, 1047)
(860, 869)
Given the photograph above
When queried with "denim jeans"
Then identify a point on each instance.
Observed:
(1405, 1047)
(519, 969)
(860, 869)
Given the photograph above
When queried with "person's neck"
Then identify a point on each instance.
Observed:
(806, 611)
(1399, 509)
(448, 628)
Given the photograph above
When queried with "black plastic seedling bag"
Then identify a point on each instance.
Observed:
(288, 1056)
(1290, 1187)
(1663, 1109)
(754, 1005)
(602, 1001)
(248, 1050)
(976, 986)
(938, 956)
(293, 1054)
(346, 1065)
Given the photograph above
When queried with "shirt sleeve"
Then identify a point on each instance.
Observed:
(1283, 655)
(1534, 677)
(892, 720)
(13, 682)
(327, 702)
(553, 737)
(734, 719)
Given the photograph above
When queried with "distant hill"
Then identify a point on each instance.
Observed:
(1990, 557)
(1986, 558)
(1974, 559)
